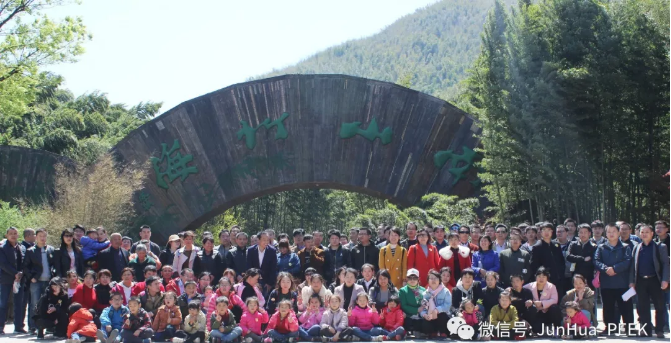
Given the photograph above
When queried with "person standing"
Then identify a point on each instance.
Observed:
(394, 258)
(145, 235)
(114, 258)
(336, 256)
(613, 261)
(207, 255)
(38, 268)
(455, 256)
(11, 270)
(353, 239)
(649, 276)
(571, 229)
(311, 256)
(68, 256)
(439, 237)
(626, 236)
(464, 235)
(364, 252)
(566, 282)
(298, 240)
(531, 234)
(580, 253)
(187, 255)
(28, 242)
(223, 259)
(514, 261)
(411, 233)
(548, 254)
(318, 238)
(501, 242)
(597, 233)
(239, 255)
(264, 258)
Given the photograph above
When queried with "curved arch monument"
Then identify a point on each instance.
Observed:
(299, 131)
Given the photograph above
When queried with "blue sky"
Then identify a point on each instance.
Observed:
(164, 50)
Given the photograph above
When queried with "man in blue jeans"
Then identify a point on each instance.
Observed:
(11, 270)
(38, 268)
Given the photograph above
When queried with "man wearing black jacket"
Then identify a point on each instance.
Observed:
(365, 252)
(38, 268)
(580, 253)
(548, 254)
(114, 258)
(11, 269)
(239, 255)
(223, 258)
(336, 256)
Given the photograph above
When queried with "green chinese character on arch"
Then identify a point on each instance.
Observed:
(468, 156)
(176, 165)
(250, 132)
(371, 133)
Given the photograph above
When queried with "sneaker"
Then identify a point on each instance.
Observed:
(378, 338)
(325, 339)
(247, 340)
(101, 336)
(291, 340)
(197, 340)
(181, 340)
(385, 338)
(268, 340)
(113, 336)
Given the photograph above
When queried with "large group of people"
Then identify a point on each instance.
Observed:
(502, 282)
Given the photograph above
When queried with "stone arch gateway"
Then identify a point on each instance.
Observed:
(299, 131)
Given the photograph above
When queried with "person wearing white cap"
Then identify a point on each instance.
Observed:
(411, 301)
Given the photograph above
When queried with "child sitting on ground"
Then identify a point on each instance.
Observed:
(222, 322)
(252, 319)
(194, 326)
(472, 316)
(190, 295)
(503, 317)
(334, 324)
(81, 327)
(363, 320)
(311, 319)
(283, 325)
(576, 323)
(137, 325)
(391, 320)
(111, 320)
(168, 318)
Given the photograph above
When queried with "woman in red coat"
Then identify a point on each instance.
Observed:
(85, 294)
(452, 253)
(423, 256)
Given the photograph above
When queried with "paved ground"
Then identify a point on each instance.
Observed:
(12, 338)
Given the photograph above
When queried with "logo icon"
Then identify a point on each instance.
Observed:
(457, 326)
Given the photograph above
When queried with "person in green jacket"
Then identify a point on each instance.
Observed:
(503, 316)
(411, 301)
(222, 322)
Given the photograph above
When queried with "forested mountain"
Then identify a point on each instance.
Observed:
(431, 49)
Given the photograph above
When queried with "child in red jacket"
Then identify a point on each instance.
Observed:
(391, 320)
(576, 323)
(283, 325)
(81, 325)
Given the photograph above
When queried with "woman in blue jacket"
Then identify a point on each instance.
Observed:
(435, 308)
(286, 260)
(485, 259)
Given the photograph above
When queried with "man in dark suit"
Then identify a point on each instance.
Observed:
(264, 258)
(11, 264)
(114, 258)
(549, 254)
(38, 269)
(223, 258)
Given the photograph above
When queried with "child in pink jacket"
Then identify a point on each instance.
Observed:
(364, 320)
(311, 319)
(252, 319)
(576, 323)
(283, 325)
